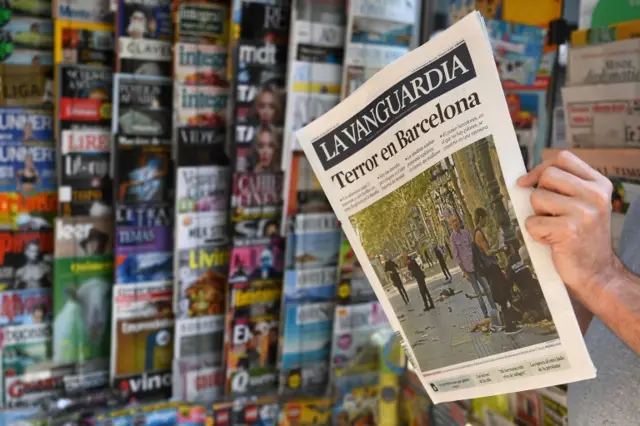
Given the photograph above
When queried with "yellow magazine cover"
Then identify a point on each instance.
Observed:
(77, 42)
(307, 412)
(615, 32)
(527, 12)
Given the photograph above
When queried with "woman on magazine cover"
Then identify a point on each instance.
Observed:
(268, 105)
(264, 153)
(27, 177)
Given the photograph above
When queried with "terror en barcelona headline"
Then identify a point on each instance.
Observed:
(388, 109)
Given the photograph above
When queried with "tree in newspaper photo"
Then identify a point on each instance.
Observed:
(456, 270)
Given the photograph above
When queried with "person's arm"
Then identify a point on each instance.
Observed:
(583, 315)
(482, 243)
(456, 257)
(572, 204)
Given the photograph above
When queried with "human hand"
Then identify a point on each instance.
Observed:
(572, 204)
(465, 275)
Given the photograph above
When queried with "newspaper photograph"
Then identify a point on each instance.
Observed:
(420, 167)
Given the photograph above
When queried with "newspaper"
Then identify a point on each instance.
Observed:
(415, 160)
(622, 167)
(602, 116)
(616, 62)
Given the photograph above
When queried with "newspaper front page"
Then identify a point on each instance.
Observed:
(420, 166)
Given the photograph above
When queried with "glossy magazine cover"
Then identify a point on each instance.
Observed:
(202, 23)
(314, 241)
(97, 11)
(200, 105)
(82, 291)
(517, 49)
(308, 285)
(306, 347)
(202, 189)
(27, 151)
(26, 259)
(251, 338)
(83, 236)
(260, 261)
(144, 34)
(142, 105)
(201, 64)
(256, 195)
(28, 212)
(201, 287)
(84, 95)
(83, 43)
(85, 173)
(142, 171)
(25, 307)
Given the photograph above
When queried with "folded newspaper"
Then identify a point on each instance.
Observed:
(420, 165)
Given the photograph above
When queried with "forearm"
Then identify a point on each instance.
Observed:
(583, 315)
(615, 299)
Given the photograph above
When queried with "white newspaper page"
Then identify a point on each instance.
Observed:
(420, 166)
(603, 115)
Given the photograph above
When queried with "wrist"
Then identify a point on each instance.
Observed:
(609, 273)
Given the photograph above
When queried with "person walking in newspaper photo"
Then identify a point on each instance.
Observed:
(462, 247)
(393, 275)
(419, 275)
(486, 265)
(427, 258)
(442, 261)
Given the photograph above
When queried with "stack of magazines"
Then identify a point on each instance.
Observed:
(603, 113)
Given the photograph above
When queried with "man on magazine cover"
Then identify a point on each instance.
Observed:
(393, 274)
(462, 247)
(265, 270)
(419, 275)
(36, 271)
(572, 204)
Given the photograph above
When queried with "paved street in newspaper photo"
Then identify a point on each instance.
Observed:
(442, 336)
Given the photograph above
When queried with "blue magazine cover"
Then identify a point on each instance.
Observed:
(382, 33)
(143, 267)
(314, 241)
(308, 285)
(306, 346)
(517, 50)
(27, 150)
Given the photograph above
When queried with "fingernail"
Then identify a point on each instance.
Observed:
(522, 179)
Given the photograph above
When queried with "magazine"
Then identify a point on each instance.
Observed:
(315, 66)
(378, 33)
(306, 347)
(82, 288)
(615, 62)
(85, 185)
(26, 259)
(83, 43)
(437, 156)
(251, 338)
(142, 339)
